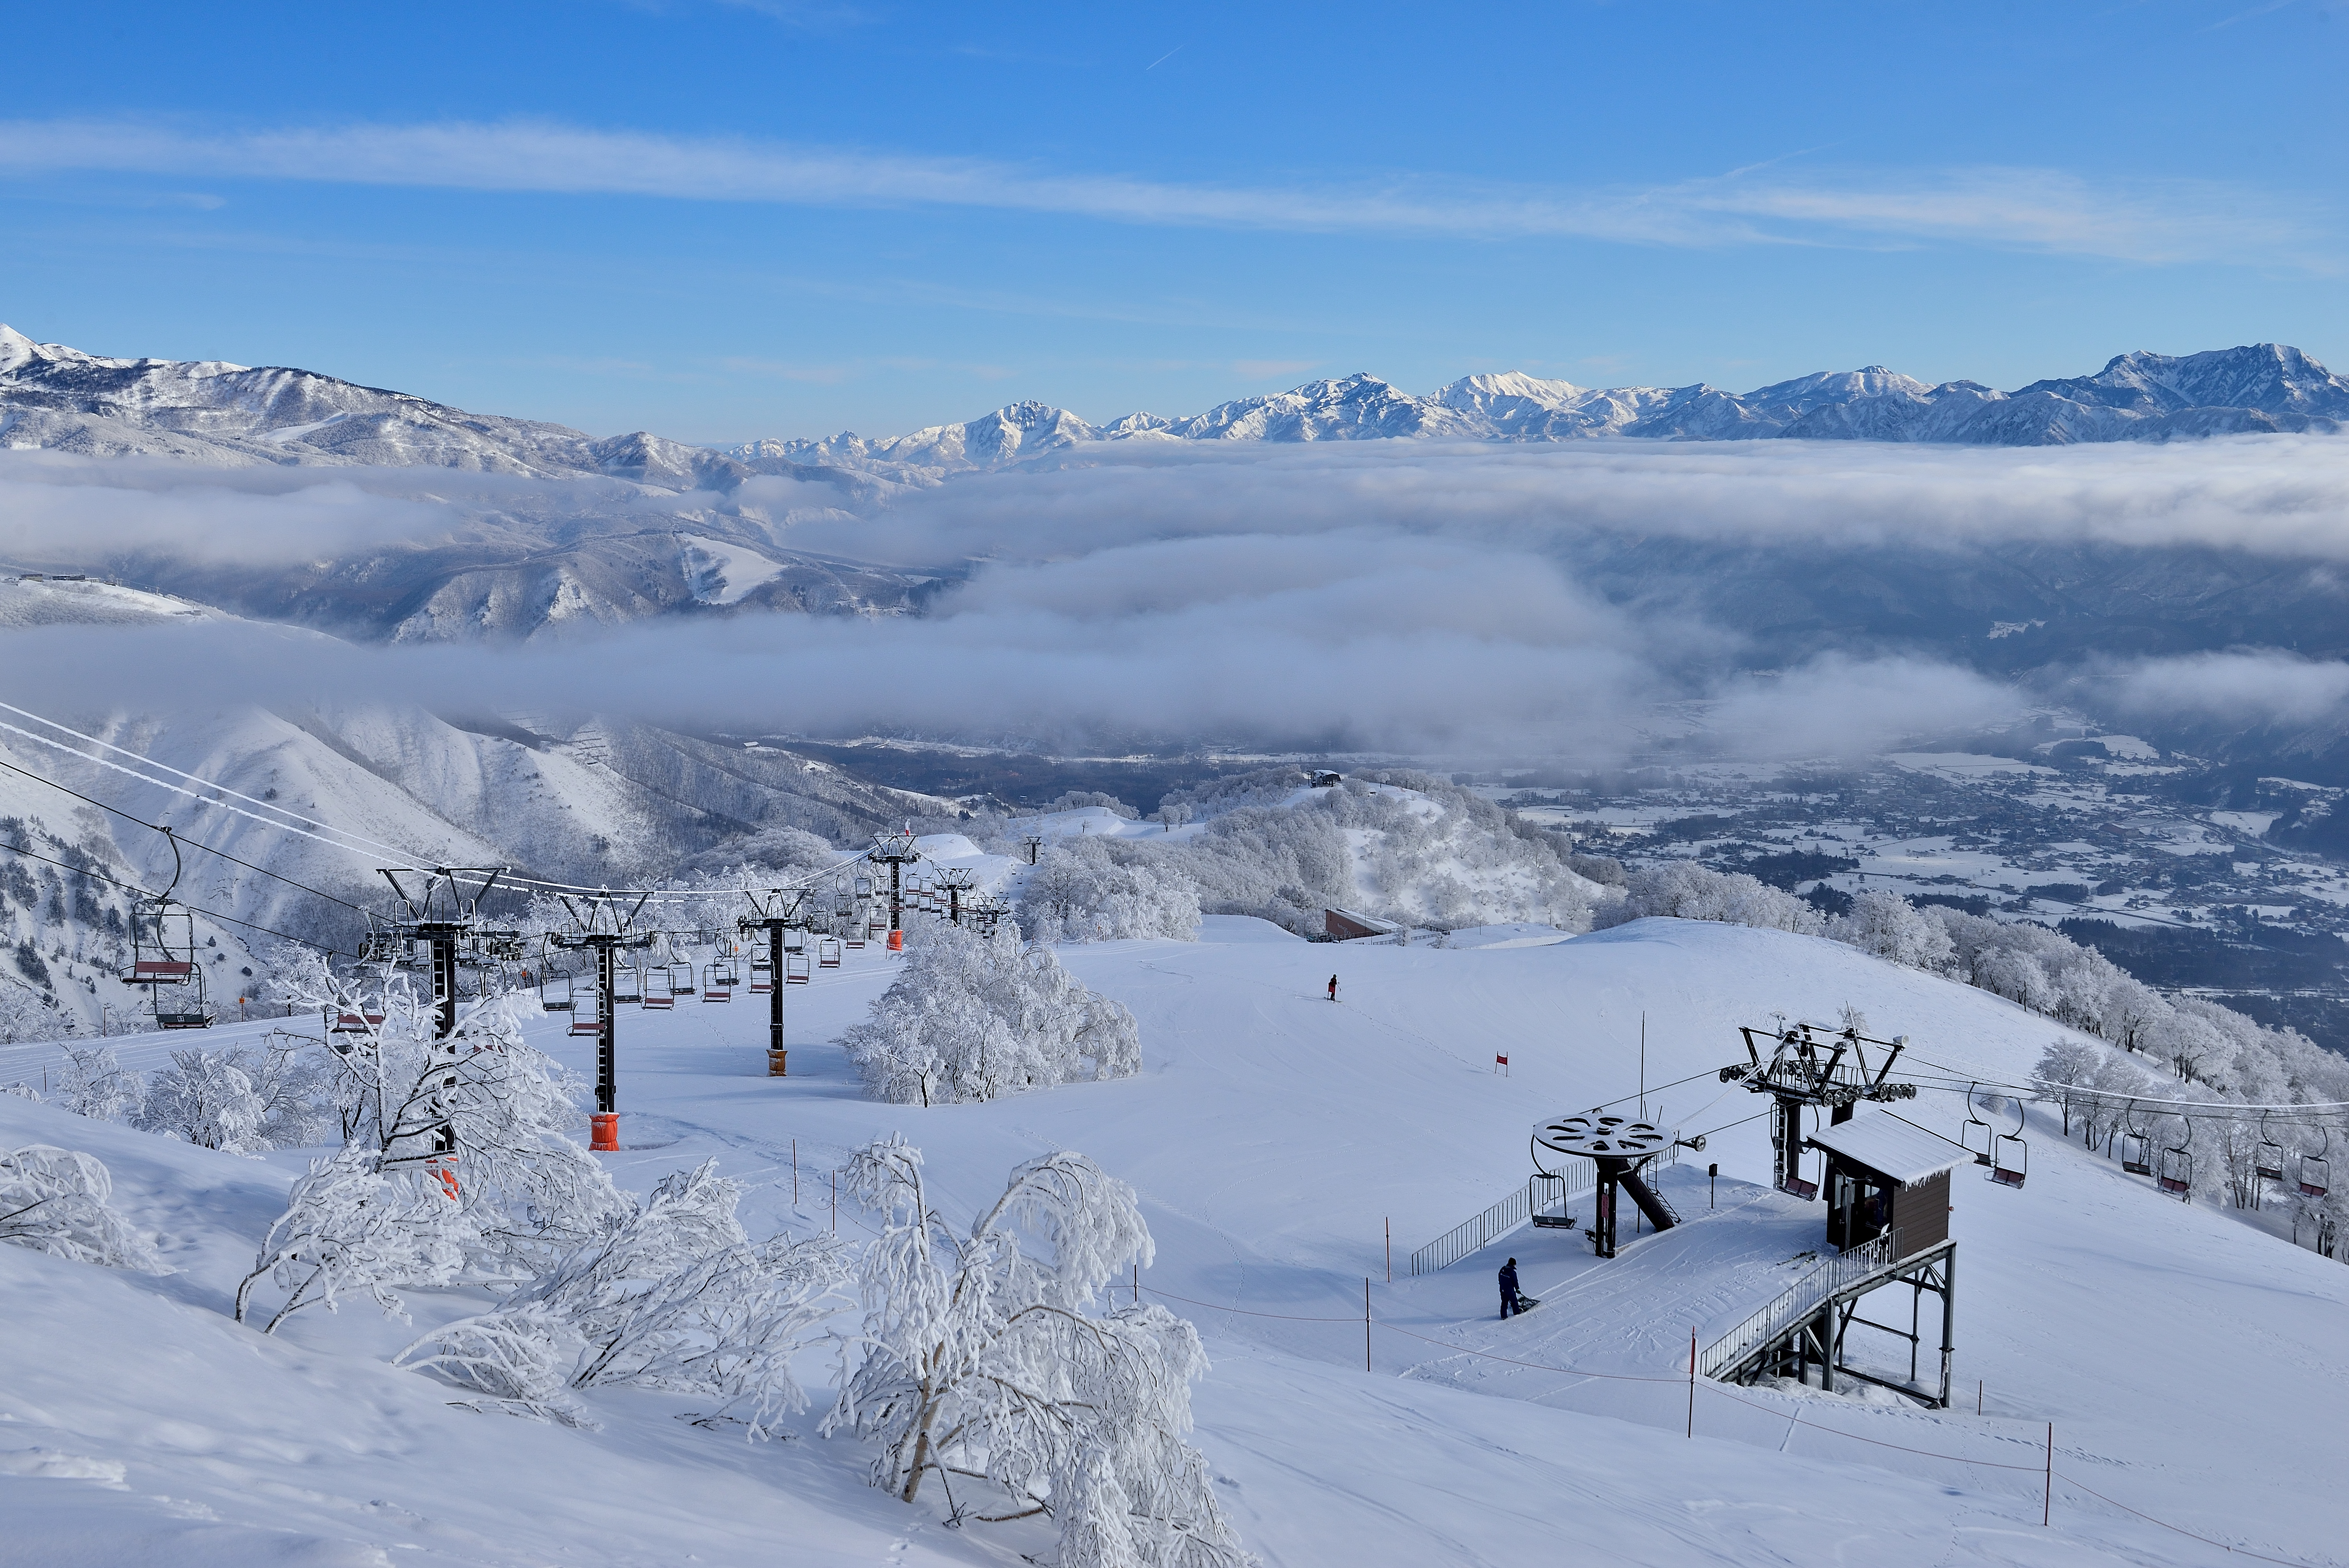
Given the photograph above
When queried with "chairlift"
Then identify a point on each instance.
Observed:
(2175, 1176)
(762, 976)
(1975, 1135)
(2137, 1148)
(2010, 1156)
(795, 968)
(794, 940)
(2315, 1171)
(354, 1023)
(827, 952)
(717, 982)
(680, 978)
(587, 1016)
(844, 903)
(627, 985)
(163, 962)
(2266, 1158)
(660, 993)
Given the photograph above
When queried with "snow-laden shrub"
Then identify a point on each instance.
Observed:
(1079, 893)
(1077, 799)
(974, 1017)
(1686, 891)
(355, 1222)
(483, 1106)
(673, 1296)
(987, 1357)
(205, 1098)
(59, 1201)
(1890, 927)
(244, 1101)
(95, 1085)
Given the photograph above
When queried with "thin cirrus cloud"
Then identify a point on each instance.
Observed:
(2038, 209)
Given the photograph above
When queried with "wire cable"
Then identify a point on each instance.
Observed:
(191, 844)
(209, 912)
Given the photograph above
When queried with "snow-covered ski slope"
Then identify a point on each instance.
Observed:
(2192, 1366)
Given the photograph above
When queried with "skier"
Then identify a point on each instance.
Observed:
(1333, 987)
(1510, 1300)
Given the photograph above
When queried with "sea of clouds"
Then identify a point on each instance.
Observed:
(1397, 596)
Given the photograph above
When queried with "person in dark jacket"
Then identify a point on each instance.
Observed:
(1510, 1300)
(1333, 987)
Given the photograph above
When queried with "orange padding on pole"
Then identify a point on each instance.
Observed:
(897, 941)
(606, 1124)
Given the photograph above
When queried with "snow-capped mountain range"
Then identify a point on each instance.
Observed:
(59, 398)
(2138, 396)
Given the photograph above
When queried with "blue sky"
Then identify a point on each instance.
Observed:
(727, 220)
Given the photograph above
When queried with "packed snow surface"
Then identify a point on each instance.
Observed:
(2192, 1366)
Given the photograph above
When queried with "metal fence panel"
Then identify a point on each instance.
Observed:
(1800, 1300)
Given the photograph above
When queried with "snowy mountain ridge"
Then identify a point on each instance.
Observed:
(2135, 396)
(58, 399)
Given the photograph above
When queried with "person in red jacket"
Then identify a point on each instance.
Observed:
(1333, 987)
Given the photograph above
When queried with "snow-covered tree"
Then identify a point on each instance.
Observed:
(1686, 891)
(351, 1225)
(673, 1296)
(483, 1108)
(206, 1097)
(1079, 893)
(988, 1354)
(95, 1085)
(59, 1201)
(974, 1017)
(1888, 926)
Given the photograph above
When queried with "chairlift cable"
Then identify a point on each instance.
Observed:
(666, 895)
(193, 779)
(205, 911)
(181, 838)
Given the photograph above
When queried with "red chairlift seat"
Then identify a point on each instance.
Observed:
(718, 984)
(586, 1025)
(795, 969)
(828, 953)
(762, 976)
(155, 971)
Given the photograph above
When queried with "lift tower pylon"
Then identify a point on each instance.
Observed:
(897, 851)
(957, 881)
(441, 913)
(774, 911)
(602, 929)
(1809, 1066)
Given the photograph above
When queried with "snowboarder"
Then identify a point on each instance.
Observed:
(1510, 1300)
(1333, 987)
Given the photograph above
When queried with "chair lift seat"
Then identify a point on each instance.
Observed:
(148, 971)
(586, 1025)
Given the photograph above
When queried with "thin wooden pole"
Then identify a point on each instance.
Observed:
(1137, 1283)
(1692, 1422)
(2047, 1498)
(1366, 1322)
(1390, 1251)
(835, 1203)
(795, 1172)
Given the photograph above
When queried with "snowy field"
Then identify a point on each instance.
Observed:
(2190, 1366)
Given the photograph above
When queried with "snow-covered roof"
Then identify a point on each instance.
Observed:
(1893, 1147)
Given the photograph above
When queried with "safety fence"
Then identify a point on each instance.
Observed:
(1799, 1301)
(2044, 1466)
(1540, 1195)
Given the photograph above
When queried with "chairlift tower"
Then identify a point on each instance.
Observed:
(1034, 842)
(603, 930)
(441, 913)
(1808, 1067)
(774, 911)
(957, 881)
(897, 851)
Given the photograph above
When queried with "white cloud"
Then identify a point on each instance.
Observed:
(2019, 209)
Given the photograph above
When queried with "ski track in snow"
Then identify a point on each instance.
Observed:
(2191, 1364)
